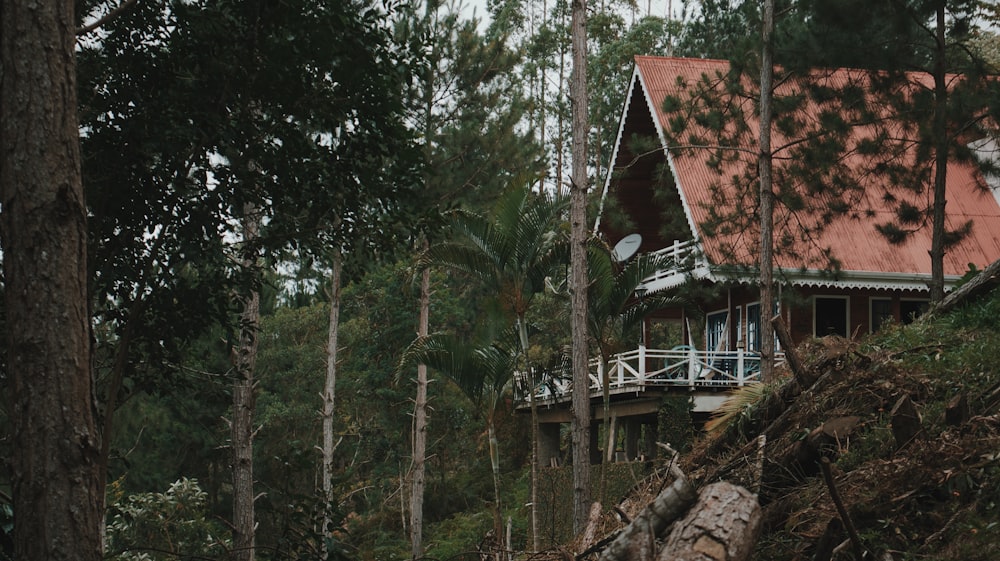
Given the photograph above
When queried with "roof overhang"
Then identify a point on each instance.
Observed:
(864, 280)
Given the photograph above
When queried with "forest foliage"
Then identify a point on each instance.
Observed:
(364, 127)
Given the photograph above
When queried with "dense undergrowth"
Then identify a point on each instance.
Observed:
(935, 496)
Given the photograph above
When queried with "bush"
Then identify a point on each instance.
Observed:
(169, 525)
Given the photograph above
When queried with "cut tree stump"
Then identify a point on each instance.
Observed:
(905, 421)
(722, 526)
(957, 412)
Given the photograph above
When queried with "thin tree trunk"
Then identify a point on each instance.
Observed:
(766, 201)
(420, 427)
(495, 466)
(330, 389)
(243, 403)
(940, 159)
(578, 267)
(57, 492)
(522, 330)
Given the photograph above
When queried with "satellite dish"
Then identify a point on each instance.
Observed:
(626, 247)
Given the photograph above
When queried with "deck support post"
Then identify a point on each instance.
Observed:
(548, 444)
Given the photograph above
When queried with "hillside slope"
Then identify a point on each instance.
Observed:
(935, 495)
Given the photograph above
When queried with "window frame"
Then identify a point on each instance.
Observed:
(847, 313)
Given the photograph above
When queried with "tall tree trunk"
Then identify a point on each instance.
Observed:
(58, 494)
(940, 158)
(243, 402)
(766, 200)
(578, 268)
(420, 426)
(330, 389)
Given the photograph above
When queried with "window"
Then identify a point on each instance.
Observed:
(910, 310)
(881, 313)
(753, 327)
(830, 316)
(716, 330)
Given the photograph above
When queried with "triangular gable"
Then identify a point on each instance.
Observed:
(866, 257)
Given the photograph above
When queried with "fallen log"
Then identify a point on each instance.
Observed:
(982, 283)
(635, 542)
(722, 526)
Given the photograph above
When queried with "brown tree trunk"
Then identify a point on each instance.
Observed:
(330, 388)
(420, 426)
(940, 158)
(766, 202)
(243, 404)
(722, 526)
(57, 492)
(578, 267)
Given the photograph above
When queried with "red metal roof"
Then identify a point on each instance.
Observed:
(850, 238)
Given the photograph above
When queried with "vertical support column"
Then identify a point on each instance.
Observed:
(548, 444)
(649, 442)
(633, 426)
(595, 443)
(612, 444)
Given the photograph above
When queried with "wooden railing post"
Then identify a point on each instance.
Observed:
(642, 361)
(621, 370)
(692, 369)
(741, 373)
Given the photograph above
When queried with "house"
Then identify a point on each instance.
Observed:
(682, 188)
(851, 240)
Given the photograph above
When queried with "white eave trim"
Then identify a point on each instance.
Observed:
(618, 141)
(692, 227)
(814, 278)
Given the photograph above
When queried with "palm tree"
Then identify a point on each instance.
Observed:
(482, 372)
(614, 311)
(511, 252)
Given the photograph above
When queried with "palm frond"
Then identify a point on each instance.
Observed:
(483, 372)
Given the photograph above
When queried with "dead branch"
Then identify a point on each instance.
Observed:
(859, 548)
(107, 17)
(804, 377)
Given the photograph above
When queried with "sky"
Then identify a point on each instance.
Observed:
(656, 7)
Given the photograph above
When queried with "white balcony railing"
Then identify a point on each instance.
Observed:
(682, 366)
(680, 255)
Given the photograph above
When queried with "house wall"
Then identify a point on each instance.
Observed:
(811, 312)
(807, 317)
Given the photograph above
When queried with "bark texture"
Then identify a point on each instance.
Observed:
(766, 200)
(330, 387)
(420, 427)
(722, 526)
(635, 542)
(244, 542)
(578, 266)
(57, 491)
